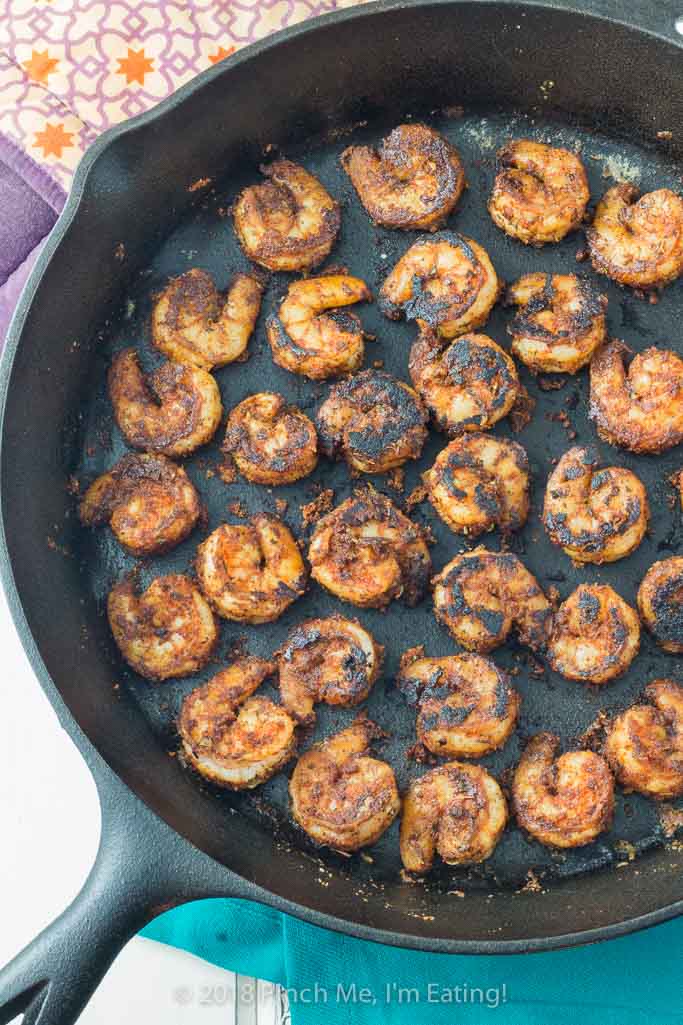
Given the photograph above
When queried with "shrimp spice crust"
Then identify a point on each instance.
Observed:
(595, 637)
(594, 515)
(466, 706)
(288, 222)
(341, 796)
(540, 192)
(374, 421)
(271, 441)
(413, 181)
(149, 502)
(230, 736)
(660, 603)
(645, 743)
(311, 334)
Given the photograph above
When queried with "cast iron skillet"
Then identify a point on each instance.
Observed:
(568, 69)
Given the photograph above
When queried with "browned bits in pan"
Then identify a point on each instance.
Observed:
(413, 181)
(540, 193)
(444, 282)
(252, 572)
(271, 441)
(457, 811)
(562, 802)
(312, 334)
(231, 736)
(174, 410)
(480, 596)
(342, 796)
(560, 323)
(660, 603)
(594, 515)
(148, 501)
(596, 635)
(334, 660)
(367, 552)
(193, 323)
(645, 743)
(288, 222)
(465, 704)
(639, 408)
(374, 421)
(167, 631)
(638, 241)
(479, 482)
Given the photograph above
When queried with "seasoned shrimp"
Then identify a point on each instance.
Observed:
(374, 421)
(642, 409)
(660, 603)
(251, 573)
(193, 323)
(167, 631)
(311, 335)
(638, 242)
(594, 515)
(563, 802)
(468, 386)
(445, 282)
(271, 441)
(457, 811)
(231, 737)
(560, 323)
(480, 595)
(479, 482)
(413, 181)
(367, 552)
(645, 743)
(341, 796)
(595, 636)
(289, 222)
(540, 193)
(148, 501)
(172, 411)
(334, 660)
(465, 704)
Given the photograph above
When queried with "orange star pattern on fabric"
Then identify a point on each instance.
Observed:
(135, 66)
(40, 65)
(221, 54)
(53, 139)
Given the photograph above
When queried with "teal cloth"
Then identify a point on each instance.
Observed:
(636, 980)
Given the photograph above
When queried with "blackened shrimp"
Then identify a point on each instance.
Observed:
(560, 323)
(468, 386)
(367, 552)
(480, 596)
(465, 704)
(594, 515)
(334, 660)
(445, 282)
(271, 441)
(413, 181)
(562, 802)
(479, 482)
(457, 811)
(288, 222)
(596, 635)
(645, 743)
(342, 796)
(231, 736)
(251, 573)
(372, 420)
(641, 408)
(638, 241)
(660, 603)
(148, 501)
(540, 192)
(174, 410)
(167, 631)
(193, 323)
(311, 334)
